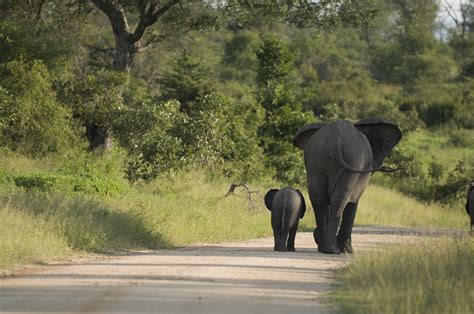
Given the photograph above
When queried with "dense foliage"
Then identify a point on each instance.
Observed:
(227, 86)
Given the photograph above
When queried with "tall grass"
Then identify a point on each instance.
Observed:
(26, 239)
(443, 146)
(383, 206)
(187, 209)
(432, 276)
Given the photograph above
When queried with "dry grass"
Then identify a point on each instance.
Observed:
(432, 276)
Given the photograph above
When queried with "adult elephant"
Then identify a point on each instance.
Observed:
(470, 202)
(340, 158)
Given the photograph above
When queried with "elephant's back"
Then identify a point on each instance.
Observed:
(333, 139)
(288, 198)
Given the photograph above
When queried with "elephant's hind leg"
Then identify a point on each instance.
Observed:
(290, 246)
(344, 237)
(325, 233)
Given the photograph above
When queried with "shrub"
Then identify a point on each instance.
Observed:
(187, 81)
(90, 182)
(461, 138)
(42, 182)
(148, 134)
(32, 121)
(222, 134)
(437, 113)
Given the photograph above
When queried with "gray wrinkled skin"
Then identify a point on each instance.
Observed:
(339, 158)
(287, 206)
(470, 202)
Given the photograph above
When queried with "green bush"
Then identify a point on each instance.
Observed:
(91, 182)
(43, 182)
(148, 134)
(461, 138)
(222, 134)
(32, 121)
(96, 97)
(437, 113)
(187, 80)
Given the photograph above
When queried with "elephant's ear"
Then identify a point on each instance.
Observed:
(303, 204)
(304, 134)
(269, 198)
(383, 135)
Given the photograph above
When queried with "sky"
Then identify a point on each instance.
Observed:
(444, 18)
(442, 15)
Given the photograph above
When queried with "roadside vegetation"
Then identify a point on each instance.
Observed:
(429, 276)
(47, 215)
(51, 210)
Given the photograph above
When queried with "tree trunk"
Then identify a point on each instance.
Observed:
(99, 137)
(125, 50)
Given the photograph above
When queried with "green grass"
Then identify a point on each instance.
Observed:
(26, 238)
(173, 212)
(432, 276)
(443, 146)
(383, 206)
(189, 208)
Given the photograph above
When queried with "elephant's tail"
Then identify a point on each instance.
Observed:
(283, 213)
(340, 160)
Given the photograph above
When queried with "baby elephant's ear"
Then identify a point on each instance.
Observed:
(303, 204)
(269, 198)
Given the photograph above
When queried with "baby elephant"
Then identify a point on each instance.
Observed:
(287, 206)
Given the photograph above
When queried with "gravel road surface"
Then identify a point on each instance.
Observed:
(240, 277)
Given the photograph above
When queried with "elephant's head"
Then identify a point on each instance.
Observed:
(271, 194)
(382, 134)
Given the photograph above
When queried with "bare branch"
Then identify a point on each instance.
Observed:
(150, 17)
(451, 12)
(246, 188)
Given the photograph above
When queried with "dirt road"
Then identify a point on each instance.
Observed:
(242, 277)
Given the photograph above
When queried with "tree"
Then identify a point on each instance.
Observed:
(36, 59)
(462, 35)
(129, 40)
(32, 121)
(185, 15)
(464, 19)
(302, 13)
(412, 54)
(187, 80)
(284, 115)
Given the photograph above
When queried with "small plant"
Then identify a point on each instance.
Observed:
(461, 138)
(43, 182)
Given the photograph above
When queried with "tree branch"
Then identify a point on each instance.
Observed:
(148, 16)
(116, 15)
(39, 10)
(452, 13)
(249, 193)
